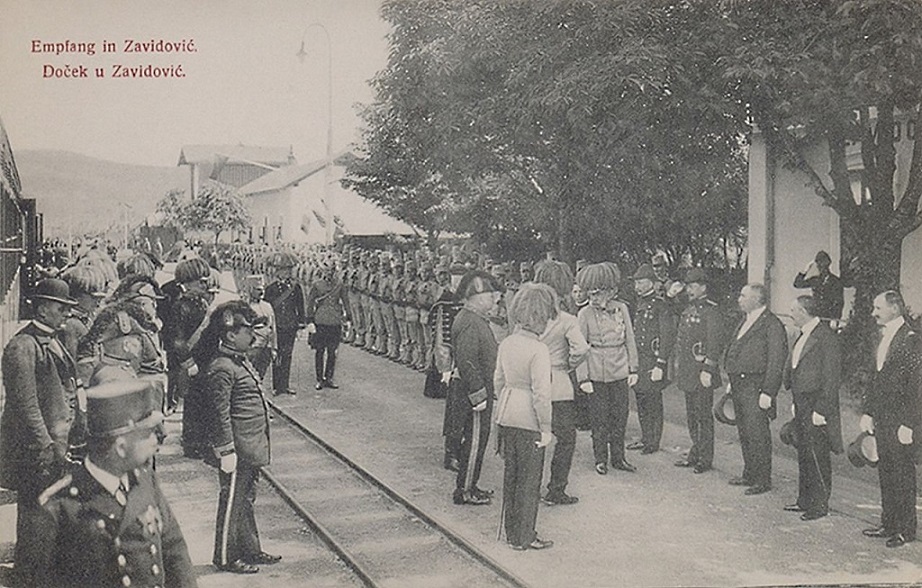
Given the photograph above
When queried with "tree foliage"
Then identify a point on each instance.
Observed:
(215, 209)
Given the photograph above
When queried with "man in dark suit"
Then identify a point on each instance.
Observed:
(39, 377)
(287, 300)
(107, 523)
(755, 363)
(827, 287)
(813, 376)
(893, 413)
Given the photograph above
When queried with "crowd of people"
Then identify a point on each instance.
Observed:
(529, 350)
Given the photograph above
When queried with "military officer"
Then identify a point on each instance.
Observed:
(698, 347)
(655, 332)
(106, 523)
(287, 299)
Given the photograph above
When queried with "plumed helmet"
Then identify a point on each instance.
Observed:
(192, 270)
(136, 264)
(85, 279)
(557, 275)
(477, 282)
(599, 276)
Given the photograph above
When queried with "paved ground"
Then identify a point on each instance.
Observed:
(662, 526)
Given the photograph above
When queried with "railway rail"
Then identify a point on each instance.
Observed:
(380, 535)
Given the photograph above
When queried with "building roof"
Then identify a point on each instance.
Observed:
(281, 178)
(273, 156)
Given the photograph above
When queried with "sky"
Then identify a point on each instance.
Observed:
(243, 84)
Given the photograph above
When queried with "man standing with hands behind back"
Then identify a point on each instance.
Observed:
(893, 413)
(755, 363)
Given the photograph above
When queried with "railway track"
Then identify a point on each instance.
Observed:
(380, 535)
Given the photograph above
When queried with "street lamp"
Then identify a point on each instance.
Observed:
(328, 168)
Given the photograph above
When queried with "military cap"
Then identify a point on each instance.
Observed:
(863, 451)
(118, 407)
(255, 281)
(696, 275)
(53, 289)
(644, 272)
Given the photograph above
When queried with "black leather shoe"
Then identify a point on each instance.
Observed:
(318, 386)
(812, 516)
(263, 558)
(481, 493)
(701, 468)
(757, 489)
(739, 481)
(635, 446)
(684, 463)
(794, 508)
(877, 532)
(331, 384)
(624, 466)
(899, 540)
(238, 566)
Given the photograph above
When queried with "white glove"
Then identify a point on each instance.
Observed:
(481, 407)
(545, 440)
(818, 419)
(904, 434)
(656, 374)
(587, 387)
(794, 411)
(446, 377)
(311, 328)
(866, 424)
(675, 289)
(632, 380)
(808, 267)
(705, 379)
(765, 401)
(229, 463)
(193, 370)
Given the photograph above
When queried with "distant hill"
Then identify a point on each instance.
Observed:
(83, 193)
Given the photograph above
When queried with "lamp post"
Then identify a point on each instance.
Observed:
(328, 168)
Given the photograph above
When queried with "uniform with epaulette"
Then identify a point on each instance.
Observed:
(697, 349)
(286, 296)
(655, 334)
(107, 523)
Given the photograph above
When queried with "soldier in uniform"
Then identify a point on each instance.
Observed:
(265, 347)
(326, 310)
(287, 299)
(368, 303)
(470, 393)
(107, 523)
(38, 376)
(655, 332)
(386, 301)
(375, 287)
(397, 283)
(410, 355)
(350, 283)
(698, 348)
(238, 434)
(425, 297)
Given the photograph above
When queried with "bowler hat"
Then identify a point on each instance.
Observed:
(789, 434)
(644, 272)
(53, 289)
(118, 407)
(696, 275)
(723, 410)
(863, 451)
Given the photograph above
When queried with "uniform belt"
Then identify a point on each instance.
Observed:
(600, 346)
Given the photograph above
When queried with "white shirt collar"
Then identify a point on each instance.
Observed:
(809, 326)
(893, 326)
(108, 480)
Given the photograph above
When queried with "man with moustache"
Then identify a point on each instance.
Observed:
(893, 414)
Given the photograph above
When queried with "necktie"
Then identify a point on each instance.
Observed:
(121, 495)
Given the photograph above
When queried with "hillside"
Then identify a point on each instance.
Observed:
(82, 194)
